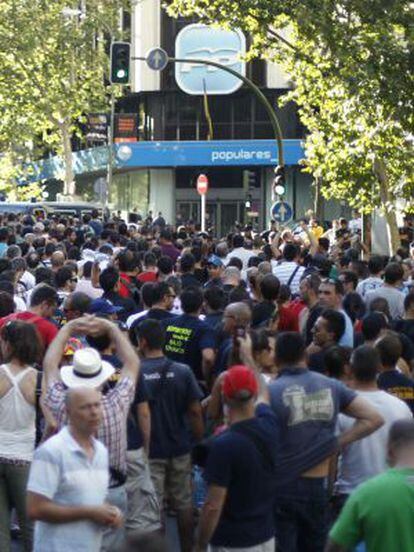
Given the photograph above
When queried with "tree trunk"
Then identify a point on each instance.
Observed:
(389, 206)
(69, 181)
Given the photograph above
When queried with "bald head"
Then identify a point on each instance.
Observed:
(79, 395)
(240, 312)
(84, 409)
(57, 259)
(232, 276)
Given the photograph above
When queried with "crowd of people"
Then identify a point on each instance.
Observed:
(256, 388)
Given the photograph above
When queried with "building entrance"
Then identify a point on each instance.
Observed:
(221, 215)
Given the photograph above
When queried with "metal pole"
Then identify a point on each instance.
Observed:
(110, 150)
(255, 89)
(203, 212)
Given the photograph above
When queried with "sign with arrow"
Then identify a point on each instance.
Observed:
(157, 59)
(281, 211)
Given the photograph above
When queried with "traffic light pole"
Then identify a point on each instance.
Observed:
(110, 149)
(255, 89)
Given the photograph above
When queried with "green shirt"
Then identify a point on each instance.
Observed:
(379, 512)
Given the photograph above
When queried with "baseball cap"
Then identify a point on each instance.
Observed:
(214, 260)
(240, 383)
(102, 306)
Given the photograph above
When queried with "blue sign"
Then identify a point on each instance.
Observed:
(135, 155)
(157, 59)
(281, 211)
(212, 44)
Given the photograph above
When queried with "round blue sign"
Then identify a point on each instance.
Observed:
(157, 59)
(281, 211)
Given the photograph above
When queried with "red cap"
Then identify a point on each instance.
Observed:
(239, 382)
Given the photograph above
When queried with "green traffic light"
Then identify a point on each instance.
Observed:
(121, 73)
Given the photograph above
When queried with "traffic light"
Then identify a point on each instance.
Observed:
(120, 62)
(279, 181)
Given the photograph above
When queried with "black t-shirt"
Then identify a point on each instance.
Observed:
(128, 305)
(214, 320)
(154, 314)
(399, 385)
(316, 362)
(186, 337)
(262, 313)
(235, 463)
(405, 327)
(201, 274)
(171, 388)
(189, 280)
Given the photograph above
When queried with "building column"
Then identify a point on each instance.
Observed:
(162, 193)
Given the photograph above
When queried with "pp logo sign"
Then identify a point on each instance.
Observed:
(210, 44)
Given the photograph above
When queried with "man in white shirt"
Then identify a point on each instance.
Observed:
(68, 481)
(363, 459)
(240, 251)
(393, 279)
(85, 284)
(374, 281)
(289, 271)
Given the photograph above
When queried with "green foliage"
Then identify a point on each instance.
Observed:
(351, 62)
(52, 66)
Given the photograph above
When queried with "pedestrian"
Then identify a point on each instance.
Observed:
(68, 481)
(393, 277)
(240, 472)
(380, 512)
(327, 331)
(366, 458)
(307, 405)
(189, 340)
(43, 304)
(174, 397)
(88, 369)
(20, 349)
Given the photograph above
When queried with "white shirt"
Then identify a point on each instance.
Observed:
(242, 254)
(393, 296)
(369, 284)
(284, 270)
(85, 286)
(28, 279)
(367, 457)
(62, 472)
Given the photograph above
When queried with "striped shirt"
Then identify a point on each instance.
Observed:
(284, 271)
(62, 472)
(112, 431)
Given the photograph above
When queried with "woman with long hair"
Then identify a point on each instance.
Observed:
(20, 349)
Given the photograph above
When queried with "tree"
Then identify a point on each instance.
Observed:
(52, 68)
(351, 65)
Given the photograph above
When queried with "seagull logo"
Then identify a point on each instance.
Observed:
(225, 56)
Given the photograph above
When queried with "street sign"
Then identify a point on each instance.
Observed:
(281, 211)
(209, 43)
(202, 184)
(157, 59)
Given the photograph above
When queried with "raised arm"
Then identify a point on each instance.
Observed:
(54, 353)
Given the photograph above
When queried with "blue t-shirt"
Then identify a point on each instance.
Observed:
(307, 405)
(169, 398)
(186, 337)
(235, 462)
